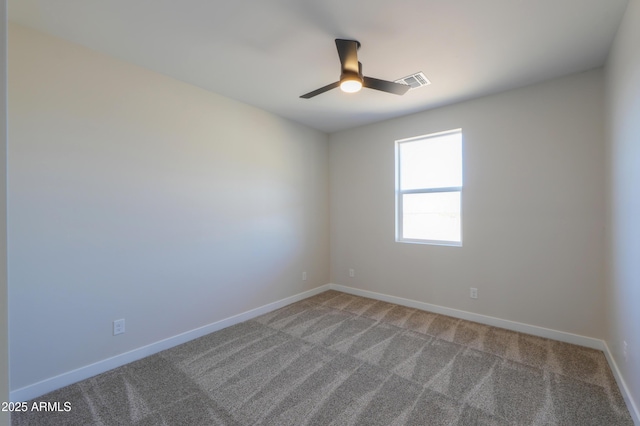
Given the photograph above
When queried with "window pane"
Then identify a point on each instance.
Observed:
(431, 216)
(435, 162)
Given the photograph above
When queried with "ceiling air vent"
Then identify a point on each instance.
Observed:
(415, 80)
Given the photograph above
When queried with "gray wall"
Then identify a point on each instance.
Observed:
(4, 316)
(623, 108)
(132, 195)
(533, 208)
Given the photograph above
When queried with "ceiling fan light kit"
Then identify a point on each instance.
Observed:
(350, 83)
(351, 78)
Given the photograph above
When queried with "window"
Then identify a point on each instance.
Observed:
(429, 189)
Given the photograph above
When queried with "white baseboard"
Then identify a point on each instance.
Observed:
(483, 319)
(509, 325)
(45, 386)
(624, 389)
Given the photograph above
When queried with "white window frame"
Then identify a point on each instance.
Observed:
(400, 193)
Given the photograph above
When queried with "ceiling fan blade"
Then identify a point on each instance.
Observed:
(321, 90)
(348, 53)
(385, 86)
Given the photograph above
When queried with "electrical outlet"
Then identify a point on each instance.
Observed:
(352, 273)
(625, 350)
(118, 327)
(304, 276)
(473, 293)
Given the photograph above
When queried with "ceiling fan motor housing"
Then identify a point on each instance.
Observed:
(350, 75)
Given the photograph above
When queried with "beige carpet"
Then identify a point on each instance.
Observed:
(338, 359)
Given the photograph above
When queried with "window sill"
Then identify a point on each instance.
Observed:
(431, 242)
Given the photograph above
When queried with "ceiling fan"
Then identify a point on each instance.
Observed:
(351, 78)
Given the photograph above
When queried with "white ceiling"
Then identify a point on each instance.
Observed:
(267, 53)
